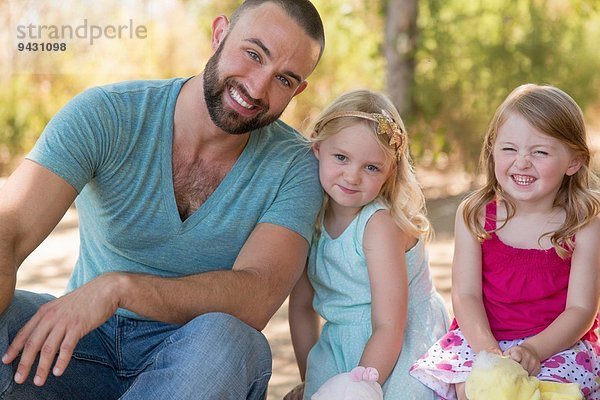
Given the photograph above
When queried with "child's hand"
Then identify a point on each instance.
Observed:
(494, 350)
(526, 356)
(368, 374)
(296, 393)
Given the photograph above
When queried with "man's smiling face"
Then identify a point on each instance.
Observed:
(260, 64)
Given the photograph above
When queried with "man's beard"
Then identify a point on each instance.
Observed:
(229, 120)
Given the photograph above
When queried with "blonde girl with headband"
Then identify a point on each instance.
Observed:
(368, 272)
(525, 270)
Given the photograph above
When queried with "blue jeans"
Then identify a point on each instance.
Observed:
(214, 356)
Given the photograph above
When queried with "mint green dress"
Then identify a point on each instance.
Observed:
(337, 269)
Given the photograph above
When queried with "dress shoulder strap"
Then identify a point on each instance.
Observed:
(490, 216)
(365, 215)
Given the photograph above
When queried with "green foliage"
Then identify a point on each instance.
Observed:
(472, 54)
(25, 107)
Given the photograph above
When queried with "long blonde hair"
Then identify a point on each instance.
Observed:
(555, 113)
(401, 192)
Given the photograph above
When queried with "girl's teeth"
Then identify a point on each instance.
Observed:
(523, 180)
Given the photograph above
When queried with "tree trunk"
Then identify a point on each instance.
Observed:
(400, 44)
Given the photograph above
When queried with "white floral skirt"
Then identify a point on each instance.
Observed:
(450, 360)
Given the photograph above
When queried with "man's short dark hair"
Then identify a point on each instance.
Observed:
(301, 11)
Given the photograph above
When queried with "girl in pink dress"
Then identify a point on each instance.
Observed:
(525, 279)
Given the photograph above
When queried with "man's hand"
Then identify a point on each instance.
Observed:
(58, 326)
(526, 356)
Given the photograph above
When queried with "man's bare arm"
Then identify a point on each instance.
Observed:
(32, 202)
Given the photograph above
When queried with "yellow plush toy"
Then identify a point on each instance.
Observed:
(560, 391)
(497, 377)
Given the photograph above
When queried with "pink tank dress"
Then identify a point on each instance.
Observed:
(524, 290)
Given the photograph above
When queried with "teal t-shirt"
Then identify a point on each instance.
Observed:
(113, 144)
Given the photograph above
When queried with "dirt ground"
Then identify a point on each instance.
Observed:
(49, 266)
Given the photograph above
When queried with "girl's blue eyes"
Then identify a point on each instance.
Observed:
(370, 167)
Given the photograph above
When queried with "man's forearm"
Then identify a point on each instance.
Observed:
(8, 267)
(261, 278)
(243, 294)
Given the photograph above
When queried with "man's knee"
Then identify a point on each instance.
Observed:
(228, 333)
(219, 351)
(23, 306)
(224, 344)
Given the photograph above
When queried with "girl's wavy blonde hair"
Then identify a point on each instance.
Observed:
(401, 192)
(553, 112)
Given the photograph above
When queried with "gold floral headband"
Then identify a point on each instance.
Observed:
(385, 126)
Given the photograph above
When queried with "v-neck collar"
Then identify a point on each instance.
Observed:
(167, 172)
(346, 229)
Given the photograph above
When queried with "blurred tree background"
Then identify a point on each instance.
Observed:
(447, 64)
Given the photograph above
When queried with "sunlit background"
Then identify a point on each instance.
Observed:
(447, 65)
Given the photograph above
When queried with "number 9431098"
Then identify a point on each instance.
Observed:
(42, 46)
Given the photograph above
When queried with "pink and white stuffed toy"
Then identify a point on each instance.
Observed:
(358, 384)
